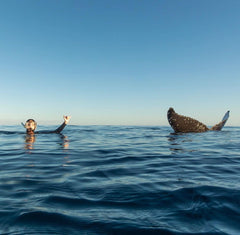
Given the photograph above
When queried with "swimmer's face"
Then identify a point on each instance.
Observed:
(30, 125)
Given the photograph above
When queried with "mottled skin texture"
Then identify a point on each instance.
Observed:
(218, 126)
(184, 124)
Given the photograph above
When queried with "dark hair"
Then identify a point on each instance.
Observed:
(30, 120)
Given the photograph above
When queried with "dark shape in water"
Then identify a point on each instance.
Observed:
(31, 126)
(184, 124)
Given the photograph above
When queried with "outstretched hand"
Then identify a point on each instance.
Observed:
(66, 119)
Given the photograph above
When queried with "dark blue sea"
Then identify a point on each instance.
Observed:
(119, 180)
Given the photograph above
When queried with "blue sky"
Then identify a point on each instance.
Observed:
(122, 62)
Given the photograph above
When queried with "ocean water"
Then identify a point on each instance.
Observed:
(119, 180)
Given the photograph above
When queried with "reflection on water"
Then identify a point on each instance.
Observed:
(181, 142)
(29, 141)
(65, 141)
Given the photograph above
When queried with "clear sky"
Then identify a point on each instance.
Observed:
(122, 62)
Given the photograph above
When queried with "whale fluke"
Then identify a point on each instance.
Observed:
(184, 124)
(220, 125)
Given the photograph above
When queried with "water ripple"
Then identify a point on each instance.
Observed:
(120, 180)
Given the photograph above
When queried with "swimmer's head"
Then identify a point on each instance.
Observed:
(30, 125)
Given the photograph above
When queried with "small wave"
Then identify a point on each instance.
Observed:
(120, 180)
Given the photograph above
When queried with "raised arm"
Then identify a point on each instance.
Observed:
(66, 120)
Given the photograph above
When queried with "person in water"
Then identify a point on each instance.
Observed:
(31, 126)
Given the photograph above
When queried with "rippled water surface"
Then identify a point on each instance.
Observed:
(119, 180)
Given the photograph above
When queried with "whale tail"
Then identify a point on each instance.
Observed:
(220, 125)
(184, 124)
